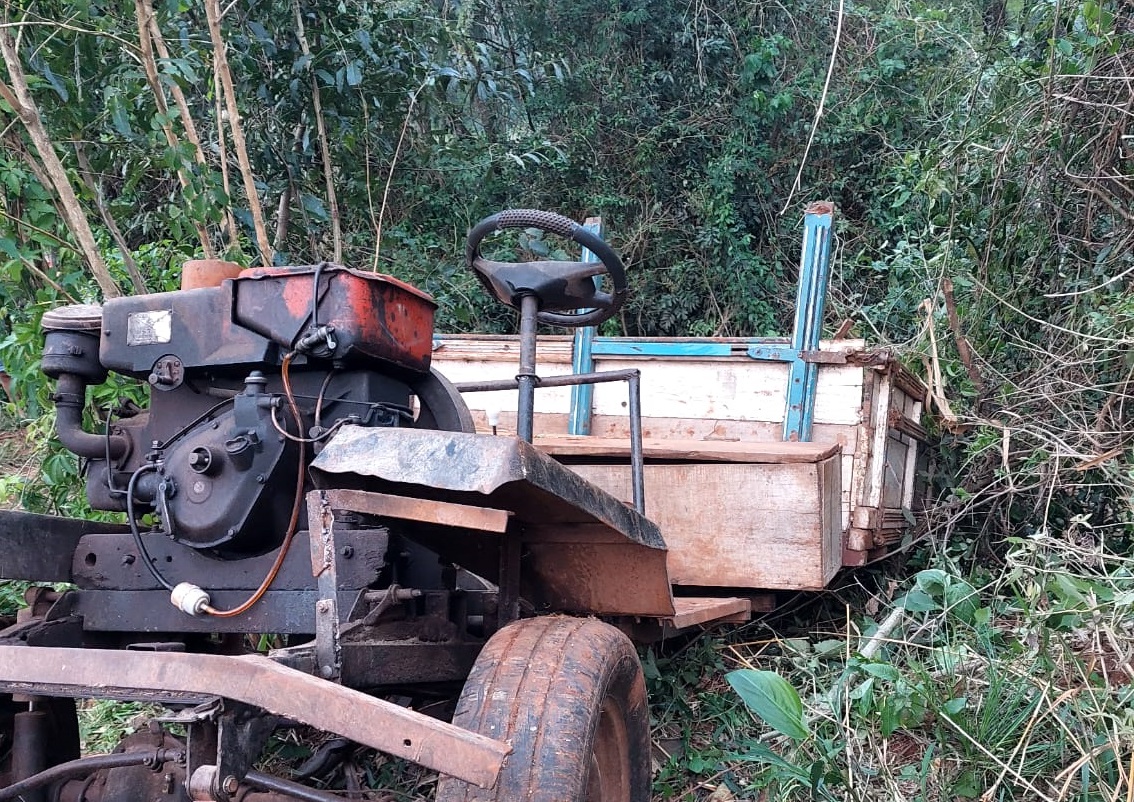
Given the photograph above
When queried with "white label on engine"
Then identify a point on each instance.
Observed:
(149, 328)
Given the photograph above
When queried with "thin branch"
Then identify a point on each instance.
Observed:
(187, 121)
(231, 234)
(283, 210)
(96, 190)
(819, 111)
(390, 175)
(220, 60)
(67, 27)
(32, 266)
(149, 65)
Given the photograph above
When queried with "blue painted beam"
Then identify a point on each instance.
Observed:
(810, 301)
(612, 346)
(582, 358)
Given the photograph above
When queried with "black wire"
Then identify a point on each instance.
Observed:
(315, 296)
(137, 533)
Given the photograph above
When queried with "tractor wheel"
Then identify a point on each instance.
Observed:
(569, 697)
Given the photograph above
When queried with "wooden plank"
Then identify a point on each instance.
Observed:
(686, 450)
(691, 611)
(829, 492)
(893, 471)
(910, 384)
(449, 348)
(879, 421)
(740, 525)
(707, 388)
(441, 513)
(911, 477)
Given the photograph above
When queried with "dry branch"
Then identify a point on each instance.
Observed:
(183, 109)
(222, 153)
(962, 342)
(212, 11)
(149, 64)
(19, 98)
(96, 190)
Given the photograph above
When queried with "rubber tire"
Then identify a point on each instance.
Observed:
(551, 687)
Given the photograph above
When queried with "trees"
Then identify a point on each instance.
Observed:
(978, 153)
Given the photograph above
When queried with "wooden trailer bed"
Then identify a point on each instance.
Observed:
(738, 507)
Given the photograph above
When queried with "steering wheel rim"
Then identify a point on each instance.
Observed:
(600, 307)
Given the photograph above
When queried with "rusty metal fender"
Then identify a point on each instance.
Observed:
(584, 550)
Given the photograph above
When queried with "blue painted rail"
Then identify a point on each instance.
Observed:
(810, 302)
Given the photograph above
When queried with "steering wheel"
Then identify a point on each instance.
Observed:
(567, 291)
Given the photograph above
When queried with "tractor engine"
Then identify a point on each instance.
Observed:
(246, 379)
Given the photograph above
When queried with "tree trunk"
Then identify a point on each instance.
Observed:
(186, 117)
(19, 98)
(95, 187)
(212, 11)
(324, 144)
(144, 13)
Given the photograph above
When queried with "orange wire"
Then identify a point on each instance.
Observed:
(293, 524)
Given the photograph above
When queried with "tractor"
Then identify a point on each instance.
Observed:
(302, 474)
(322, 529)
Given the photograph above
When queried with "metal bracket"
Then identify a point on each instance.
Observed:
(324, 566)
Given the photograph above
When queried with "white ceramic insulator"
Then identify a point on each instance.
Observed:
(189, 599)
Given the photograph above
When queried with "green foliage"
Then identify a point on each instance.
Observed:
(772, 698)
(979, 158)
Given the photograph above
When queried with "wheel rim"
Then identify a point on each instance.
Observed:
(609, 776)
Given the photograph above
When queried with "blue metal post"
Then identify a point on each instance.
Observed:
(811, 298)
(582, 359)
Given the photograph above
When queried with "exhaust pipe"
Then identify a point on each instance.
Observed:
(70, 356)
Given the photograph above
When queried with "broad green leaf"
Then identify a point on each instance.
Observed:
(772, 698)
(882, 671)
(8, 246)
(954, 706)
(759, 753)
(353, 74)
(917, 601)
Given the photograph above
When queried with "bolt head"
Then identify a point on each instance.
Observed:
(231, 785)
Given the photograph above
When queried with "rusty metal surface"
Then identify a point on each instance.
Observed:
(222, 343)
(611, 578)
(111, 562)
(374, 316)
(373, 663)
(594, 554)
(501, 472)
(258, 681)
(39, 547)
(280, 612)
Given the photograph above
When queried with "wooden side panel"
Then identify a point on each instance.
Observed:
(832, 523)
(733, 389)
(741, 525)
(872, 411)
(894, 470)
(725, 388)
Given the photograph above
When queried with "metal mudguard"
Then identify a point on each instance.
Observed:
(584, 551)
